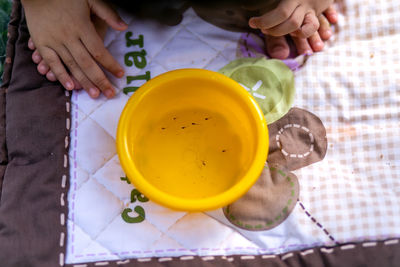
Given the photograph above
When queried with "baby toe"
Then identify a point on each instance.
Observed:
(31, 45)
(316, 42)
(50, 76)
(277, 47)
(302, 46)
(43, 68)
(36, 57)
(324, 30)
(331, 14)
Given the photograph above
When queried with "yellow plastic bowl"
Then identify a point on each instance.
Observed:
(192, 140)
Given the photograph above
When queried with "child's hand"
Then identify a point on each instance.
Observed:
(278, 47)
(299, 17)
(63, 32)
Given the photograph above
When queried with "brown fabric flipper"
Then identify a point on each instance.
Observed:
(35, 176)
(268, 203)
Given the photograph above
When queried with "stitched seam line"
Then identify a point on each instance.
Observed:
(318, 224)
(63, 182)
(324, 250)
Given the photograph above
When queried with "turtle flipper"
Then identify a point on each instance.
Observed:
(268, 203)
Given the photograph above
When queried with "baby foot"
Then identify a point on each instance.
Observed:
(278, 47)
(44, 69)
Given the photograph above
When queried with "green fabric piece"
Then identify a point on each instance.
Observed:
(270, 82)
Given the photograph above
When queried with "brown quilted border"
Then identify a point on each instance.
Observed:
(33, 167)
(10, 51)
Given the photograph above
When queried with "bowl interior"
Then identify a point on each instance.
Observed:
(190, 137)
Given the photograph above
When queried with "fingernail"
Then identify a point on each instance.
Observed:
(69, 86)
(120, 74)
(109, 93)
(94, 92)
(122, 23)
(36, 58)
(328, 32)
(308, 52)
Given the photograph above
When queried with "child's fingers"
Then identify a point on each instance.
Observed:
(95, 46)
(108, 14)
(302, 46)
(31, 45)
(292, 24)
(43, 68)
(77, 72)
(77, 84)
(331, 14)
(324, 30)
(310, 25)
(36, 57)
(316, 43)
(275, 17)
(52, 59)
(82, 60)
(277, 47)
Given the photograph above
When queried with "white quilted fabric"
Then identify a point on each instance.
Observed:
(98, 196)
(96, 230)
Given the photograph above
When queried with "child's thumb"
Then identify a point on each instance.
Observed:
(107, 13)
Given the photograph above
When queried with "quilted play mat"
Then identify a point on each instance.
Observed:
(329, 194)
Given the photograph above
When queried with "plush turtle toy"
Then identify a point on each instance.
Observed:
(297, 139)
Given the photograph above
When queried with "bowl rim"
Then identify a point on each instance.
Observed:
(178, 203)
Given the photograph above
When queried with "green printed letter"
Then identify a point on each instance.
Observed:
(129, 79)
(140, 218)
(125, 179)
(138, 58)
(145, 77)
(136, 194)
(132, 42)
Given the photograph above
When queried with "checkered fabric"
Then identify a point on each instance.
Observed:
(354, 88)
